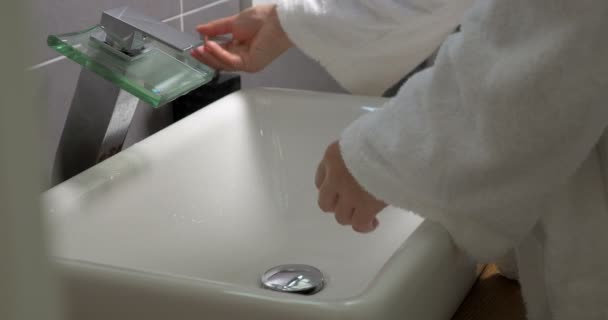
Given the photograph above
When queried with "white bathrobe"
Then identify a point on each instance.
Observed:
(503, 141)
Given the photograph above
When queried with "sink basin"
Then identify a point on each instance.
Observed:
(183, 224)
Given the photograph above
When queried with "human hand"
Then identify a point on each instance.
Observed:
(257, 39)
(340, 193)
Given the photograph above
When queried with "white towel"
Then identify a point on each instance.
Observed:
(367, 46)
(502, 141)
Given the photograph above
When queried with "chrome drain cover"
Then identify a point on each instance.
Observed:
(294, 278)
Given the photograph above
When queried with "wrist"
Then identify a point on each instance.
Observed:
(283, 36)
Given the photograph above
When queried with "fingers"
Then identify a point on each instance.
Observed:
(344, 213)
(328, 198)
(361, 220)
(203, 56)
(328, 195)
(217, 27)
(364, 221)
(225, 57)
(320, 175)
(341, 194)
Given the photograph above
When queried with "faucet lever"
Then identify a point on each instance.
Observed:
(129, 29)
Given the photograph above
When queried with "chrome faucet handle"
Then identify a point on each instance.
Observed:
(128, 30)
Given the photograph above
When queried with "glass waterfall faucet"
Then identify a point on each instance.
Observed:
(140, 58)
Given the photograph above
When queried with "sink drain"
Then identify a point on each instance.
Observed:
(294, 278)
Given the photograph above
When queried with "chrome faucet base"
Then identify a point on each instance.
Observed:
(101, 113)
(96, 126)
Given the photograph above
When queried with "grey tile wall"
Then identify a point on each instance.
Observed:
(195, 4)
(293, 70)
(219, 10)
(57, 77)
(56, 87)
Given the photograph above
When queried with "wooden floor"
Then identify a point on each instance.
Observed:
(493, 297)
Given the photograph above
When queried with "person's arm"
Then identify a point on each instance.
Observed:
(257, 39)
(513, 106)
(366, 45)
(370, 45)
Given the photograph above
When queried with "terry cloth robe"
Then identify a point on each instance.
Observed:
(503, 141)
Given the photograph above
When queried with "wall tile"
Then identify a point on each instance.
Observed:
(193, 4)
(293, 70)
(56, 85)
(175, 23)
(220, 10)
(61, 16)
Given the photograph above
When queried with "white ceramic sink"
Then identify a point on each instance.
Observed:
(183, 224)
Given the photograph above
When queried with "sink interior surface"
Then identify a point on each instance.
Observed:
(223, 196)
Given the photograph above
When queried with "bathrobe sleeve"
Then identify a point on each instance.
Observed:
(367, 46)
(513, 106)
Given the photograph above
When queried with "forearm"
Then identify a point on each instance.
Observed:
(350, 38)
(511, 109)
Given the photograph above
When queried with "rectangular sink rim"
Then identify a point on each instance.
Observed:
(397, 270)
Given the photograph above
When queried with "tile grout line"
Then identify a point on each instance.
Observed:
(45, 63)
(187, 13)
(179, 16)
